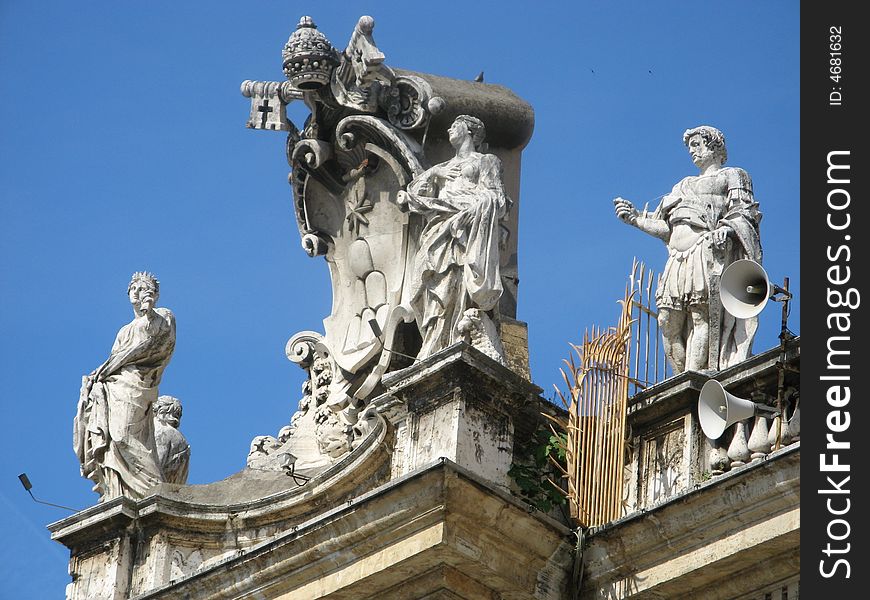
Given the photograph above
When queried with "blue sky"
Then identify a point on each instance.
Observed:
(123, 148)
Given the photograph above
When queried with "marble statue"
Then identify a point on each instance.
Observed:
(411, 248)
(113, 432)
(173, 451)
(457, 264)
(707, 221)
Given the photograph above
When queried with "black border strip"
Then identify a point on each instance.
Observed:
(834, 231)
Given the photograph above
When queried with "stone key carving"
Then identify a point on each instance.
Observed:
(173, 451)
(707, 221)
(113, 430)
(457, 265)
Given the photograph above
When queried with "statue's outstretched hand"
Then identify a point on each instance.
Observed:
(625, 211)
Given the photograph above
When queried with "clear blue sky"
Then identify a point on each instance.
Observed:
(123, 148)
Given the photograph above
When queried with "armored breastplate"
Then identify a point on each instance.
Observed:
(702, 201)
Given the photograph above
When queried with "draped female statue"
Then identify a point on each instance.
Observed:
(113, 432)
(456, 268)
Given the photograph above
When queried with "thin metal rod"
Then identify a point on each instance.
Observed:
(35, 499)
(648, 329)
(780, 376)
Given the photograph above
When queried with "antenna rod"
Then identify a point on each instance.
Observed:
(25, 481)
(784, 337)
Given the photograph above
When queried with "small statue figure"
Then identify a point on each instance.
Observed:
(173, 451)
(480, 332)
(113, 431)
(456, 268)
(707, 221)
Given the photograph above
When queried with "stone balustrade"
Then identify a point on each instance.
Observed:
(668, 452)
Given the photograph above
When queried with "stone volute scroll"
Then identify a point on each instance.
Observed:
(113, 430)
(707, 221)
(391, 178)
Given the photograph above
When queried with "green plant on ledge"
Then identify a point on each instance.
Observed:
(534, 475)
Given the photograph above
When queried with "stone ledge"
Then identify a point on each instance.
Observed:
(262, 497)
(96, 522)
(681, 391)
(701, 536)
(461, 352)
(439, 517)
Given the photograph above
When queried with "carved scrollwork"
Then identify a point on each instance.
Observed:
(313, 154)
(300, 348)
(405, 102)
(314, 244)
(351, 129)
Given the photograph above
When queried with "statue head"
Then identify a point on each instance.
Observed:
(144, 289)
(167, 410)
(714, 141)
(472, 125)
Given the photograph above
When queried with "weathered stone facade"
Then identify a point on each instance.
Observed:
(688, 533)
(392, 479)
(423, 508)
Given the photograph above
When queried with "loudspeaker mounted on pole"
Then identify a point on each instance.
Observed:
(745, 288)
(718, 410)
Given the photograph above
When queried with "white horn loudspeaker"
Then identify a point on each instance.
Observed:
(745, 288)
(718, 410)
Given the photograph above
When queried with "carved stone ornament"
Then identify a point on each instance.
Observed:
(707, 221)
(113, 430)
(308, 57)
(413, 250)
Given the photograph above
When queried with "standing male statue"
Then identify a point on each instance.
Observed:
(707, 221)
(113, 431)
(456, 270)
